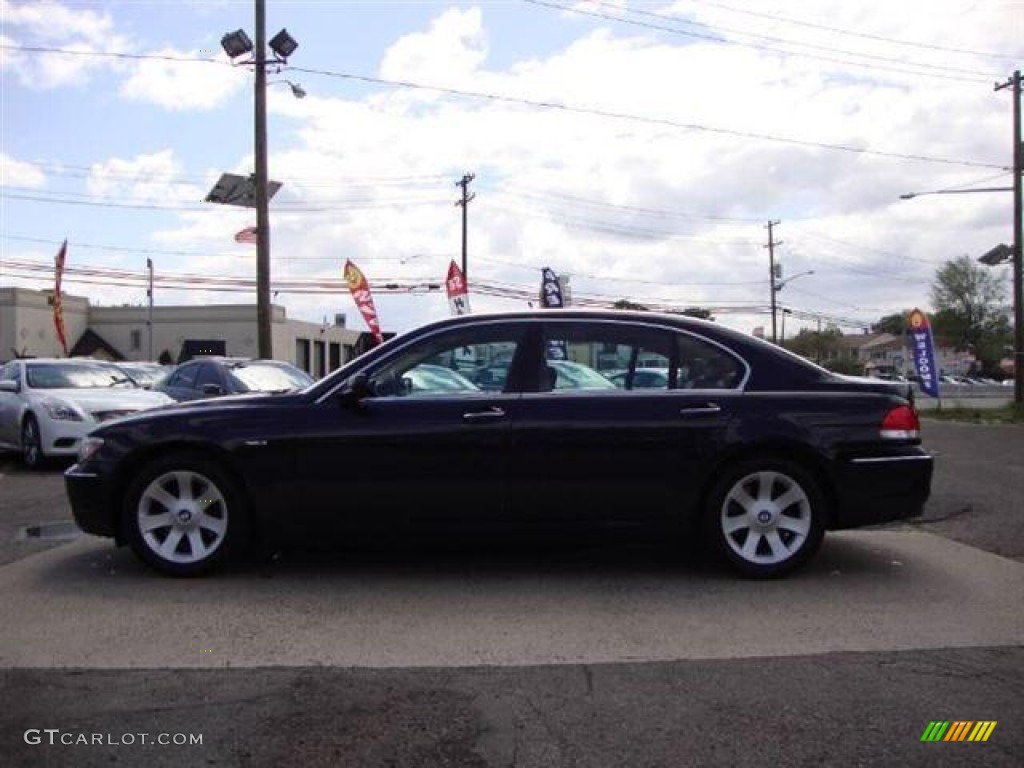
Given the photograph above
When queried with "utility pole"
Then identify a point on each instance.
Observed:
(771, 272)
(1018, 241)
(149, 316)
(264, 341)
(464, 202)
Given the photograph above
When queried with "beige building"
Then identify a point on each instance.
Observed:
(123, 333)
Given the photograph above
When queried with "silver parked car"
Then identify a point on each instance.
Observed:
(48, 405)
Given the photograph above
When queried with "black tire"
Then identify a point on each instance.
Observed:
(765, 516)
(32, 444)
(184, 516)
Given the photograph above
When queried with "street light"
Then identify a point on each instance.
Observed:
(784, 313)
(238, 44)
(912, 195)
(297, 90)
(778, 285)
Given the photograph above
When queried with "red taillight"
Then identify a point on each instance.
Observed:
(901, 423)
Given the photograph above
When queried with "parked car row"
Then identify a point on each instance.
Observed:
(48, 406)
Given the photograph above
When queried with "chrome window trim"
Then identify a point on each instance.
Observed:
(533, 320)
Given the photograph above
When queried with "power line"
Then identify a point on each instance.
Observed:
(499, 98)
(864, 35)
(979, 77)
(609, 114)
(529, 194)
(278, 207)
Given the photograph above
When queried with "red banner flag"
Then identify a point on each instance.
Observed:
(360, 289)
(458, 290)
(58, 308)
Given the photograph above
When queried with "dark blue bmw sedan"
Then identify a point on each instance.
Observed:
(754, 450)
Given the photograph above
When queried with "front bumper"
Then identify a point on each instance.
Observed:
(91, 501)
(882, 488)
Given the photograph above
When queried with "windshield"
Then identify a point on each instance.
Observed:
(75, 375)
(267, 377)
(144, 374)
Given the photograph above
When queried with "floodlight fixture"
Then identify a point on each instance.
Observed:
(1001, 254)
(283, 44)
(236, 44)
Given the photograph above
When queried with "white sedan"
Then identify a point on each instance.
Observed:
(48, 405)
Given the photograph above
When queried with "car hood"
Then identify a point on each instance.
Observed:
(107, 399)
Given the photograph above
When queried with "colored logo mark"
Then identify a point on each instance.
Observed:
(958, 730)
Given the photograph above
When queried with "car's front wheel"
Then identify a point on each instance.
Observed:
(32, 444)
(183, 515)
(766, 516)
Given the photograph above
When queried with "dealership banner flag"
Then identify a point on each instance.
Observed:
(458, 290)
(551, 297)
(360, 289)
(550, 289)
(923, 345)
(58, 307)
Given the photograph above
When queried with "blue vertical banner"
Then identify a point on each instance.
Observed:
(923, 350)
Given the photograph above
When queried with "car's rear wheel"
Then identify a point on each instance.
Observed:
(183, 515)
(766, 516)
(32, 444)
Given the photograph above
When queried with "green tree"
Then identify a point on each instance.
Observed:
(971, 310)
(699, 312)
(896, 324)
(627, 304)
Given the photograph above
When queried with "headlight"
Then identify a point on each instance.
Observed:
(88, 448)
(61, 411)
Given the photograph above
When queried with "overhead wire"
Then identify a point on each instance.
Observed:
(975, 76)
(571, 109)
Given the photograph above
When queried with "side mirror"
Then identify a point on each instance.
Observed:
(9, 386)
(356, 389)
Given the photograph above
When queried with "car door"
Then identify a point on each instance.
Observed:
(602, 455)
(407, 455)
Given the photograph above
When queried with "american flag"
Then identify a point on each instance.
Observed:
(247, 235)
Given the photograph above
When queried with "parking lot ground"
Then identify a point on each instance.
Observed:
(867, 590)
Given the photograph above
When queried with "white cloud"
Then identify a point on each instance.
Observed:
(181, 85)
(51, 24)
(15, 173)
(148, 178)
(453, 48)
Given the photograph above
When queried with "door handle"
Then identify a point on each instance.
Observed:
(491, 414)
(704, 409)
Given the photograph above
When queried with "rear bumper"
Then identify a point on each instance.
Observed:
(883, 488)
(89, 495)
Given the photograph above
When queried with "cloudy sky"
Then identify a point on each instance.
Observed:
(640, 148)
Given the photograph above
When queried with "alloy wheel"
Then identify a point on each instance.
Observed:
(31, 443)
(766, 518)
(182, 517)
